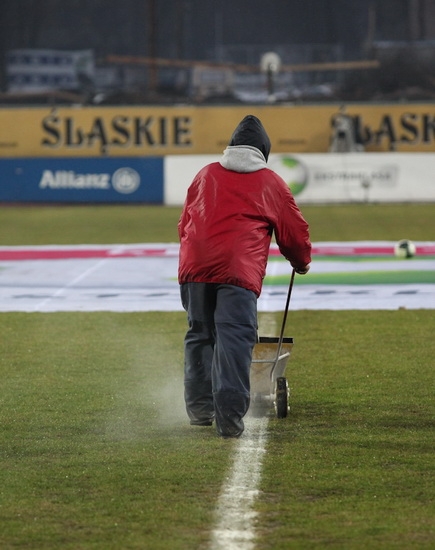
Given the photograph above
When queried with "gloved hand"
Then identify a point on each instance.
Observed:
(302, 270)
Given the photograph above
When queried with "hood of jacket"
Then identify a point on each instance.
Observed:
(243, 158)
(250, 131)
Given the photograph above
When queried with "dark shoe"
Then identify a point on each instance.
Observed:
(206, 422)
(230, 430)
(231, 435)
(230, 408)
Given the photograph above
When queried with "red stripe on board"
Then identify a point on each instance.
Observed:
(64, 253)
(79, 253)
(15, 255)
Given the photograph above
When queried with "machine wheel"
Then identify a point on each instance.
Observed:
(282, 397)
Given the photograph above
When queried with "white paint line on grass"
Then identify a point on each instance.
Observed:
(235, 518)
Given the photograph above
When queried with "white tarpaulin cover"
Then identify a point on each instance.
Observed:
(143, 277)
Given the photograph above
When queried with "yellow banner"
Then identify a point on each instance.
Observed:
(158, 131)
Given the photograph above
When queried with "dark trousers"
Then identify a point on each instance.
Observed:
(218, 352)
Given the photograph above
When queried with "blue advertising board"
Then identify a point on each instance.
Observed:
(82, 180)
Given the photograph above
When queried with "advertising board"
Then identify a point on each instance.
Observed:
(122, 131)
(93, 180)
(327, 178)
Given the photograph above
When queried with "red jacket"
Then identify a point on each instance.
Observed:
(227, 223)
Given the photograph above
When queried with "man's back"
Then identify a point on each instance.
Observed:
(227, 224)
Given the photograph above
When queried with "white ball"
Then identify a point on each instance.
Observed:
(404, 249)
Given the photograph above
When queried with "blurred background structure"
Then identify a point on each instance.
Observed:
(108, 52)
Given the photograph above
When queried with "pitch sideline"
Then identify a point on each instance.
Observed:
(235, 519)
(235, 529)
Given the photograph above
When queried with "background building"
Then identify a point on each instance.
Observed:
(170, 50)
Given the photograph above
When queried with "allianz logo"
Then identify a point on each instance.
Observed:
(124, 180)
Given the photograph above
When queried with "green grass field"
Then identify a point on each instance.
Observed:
(96, 451)
(133, 224)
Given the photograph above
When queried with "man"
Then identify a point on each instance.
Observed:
(232, 209)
